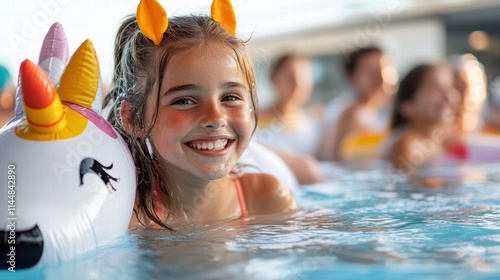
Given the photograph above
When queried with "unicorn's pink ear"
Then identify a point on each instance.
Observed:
(42, 106)
(80, 82)
(53, 59)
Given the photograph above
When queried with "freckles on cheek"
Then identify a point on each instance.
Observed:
(179, 124)
(173, 120)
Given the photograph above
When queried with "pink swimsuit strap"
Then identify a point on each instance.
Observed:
(241, 199)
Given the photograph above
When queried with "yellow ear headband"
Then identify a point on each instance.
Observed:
(223, 13)
(153, 21)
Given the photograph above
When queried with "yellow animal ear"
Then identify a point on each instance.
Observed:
(223, 13)
(152, 20)
(79, 83)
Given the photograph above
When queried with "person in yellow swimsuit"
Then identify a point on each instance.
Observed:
(373, 80)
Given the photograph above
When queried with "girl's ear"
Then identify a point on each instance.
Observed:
(127, 120)
(254, 120)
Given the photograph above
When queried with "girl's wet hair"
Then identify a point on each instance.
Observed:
(406, 92)
(139, 69)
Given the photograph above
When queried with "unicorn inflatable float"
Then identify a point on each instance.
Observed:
(68, 179)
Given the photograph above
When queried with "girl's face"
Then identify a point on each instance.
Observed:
(204, 120)
(431, 102)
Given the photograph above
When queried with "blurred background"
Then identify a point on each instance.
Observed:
(409, 32)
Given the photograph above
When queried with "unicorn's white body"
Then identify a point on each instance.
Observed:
(73, 219)
(70, 189)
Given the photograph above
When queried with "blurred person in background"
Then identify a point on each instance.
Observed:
(436, 117)
(359, 119)
(469, 133)
(7, 96)
(286, 127)
(492, 118)
(423, 112)
(468, 104)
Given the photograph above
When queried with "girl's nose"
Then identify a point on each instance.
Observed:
(214, 117)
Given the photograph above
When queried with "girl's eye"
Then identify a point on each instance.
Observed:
(182, 101)
(231, 97)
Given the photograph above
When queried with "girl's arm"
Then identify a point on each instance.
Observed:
(305, 167)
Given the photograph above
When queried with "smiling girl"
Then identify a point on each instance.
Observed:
(185, 98)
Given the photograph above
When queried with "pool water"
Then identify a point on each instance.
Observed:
(363, 222)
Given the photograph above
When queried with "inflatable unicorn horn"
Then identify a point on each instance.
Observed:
(53, 59)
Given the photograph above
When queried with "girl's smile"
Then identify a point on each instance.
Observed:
(211, 146)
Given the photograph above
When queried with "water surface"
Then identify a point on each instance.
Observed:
(362, 222)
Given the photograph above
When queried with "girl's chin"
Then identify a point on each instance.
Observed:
(211, 173)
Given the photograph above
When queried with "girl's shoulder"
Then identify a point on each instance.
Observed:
(265, 194)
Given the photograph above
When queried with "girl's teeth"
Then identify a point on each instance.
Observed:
(209, 145)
